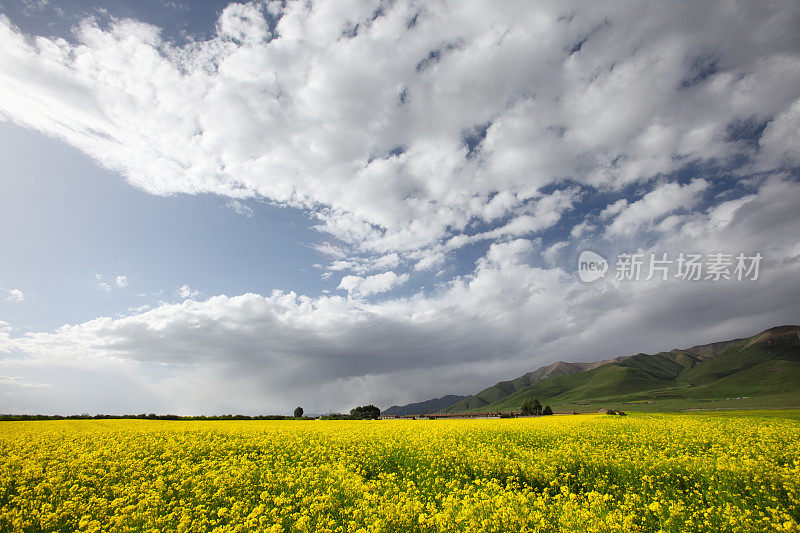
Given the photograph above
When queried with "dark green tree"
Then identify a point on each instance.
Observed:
(527, 407)
(547, 410)
(366, 411)
(537, 407)
(531, 406)
(298, 412)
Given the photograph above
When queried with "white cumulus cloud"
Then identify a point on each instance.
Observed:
(653, 206)
(186, 292)
(14, 295)
(478, 109)
(369, 285)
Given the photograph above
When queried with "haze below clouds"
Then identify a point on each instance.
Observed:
(453, 161)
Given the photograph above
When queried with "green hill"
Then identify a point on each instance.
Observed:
(500, 390)
(428, 406)
(766, 364)
(770, 377)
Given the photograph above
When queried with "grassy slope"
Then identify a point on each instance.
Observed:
(737, 358)
(608, 380)
(492, 394)
(503, 389)
(760, 366)
(775, 376)
(427, 406)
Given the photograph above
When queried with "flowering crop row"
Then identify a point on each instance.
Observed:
(564, 473)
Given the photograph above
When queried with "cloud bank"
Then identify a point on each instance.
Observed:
(507, 316)
(399, 125)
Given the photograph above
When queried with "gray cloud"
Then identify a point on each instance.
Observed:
(506, 317)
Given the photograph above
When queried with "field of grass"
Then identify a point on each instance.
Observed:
(662, 402)
(733, 471)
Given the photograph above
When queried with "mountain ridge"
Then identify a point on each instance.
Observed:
(503, 388)
(714, 370)
(424, 407)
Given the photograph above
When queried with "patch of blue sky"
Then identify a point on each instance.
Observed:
(64, 220)
(180, 20)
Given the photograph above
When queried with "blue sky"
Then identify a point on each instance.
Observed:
(74, 221)
(367, 202)
(178, 20)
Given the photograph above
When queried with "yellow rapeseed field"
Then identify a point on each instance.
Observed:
(586, 473)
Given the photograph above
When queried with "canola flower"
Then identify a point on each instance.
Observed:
(587, 473)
